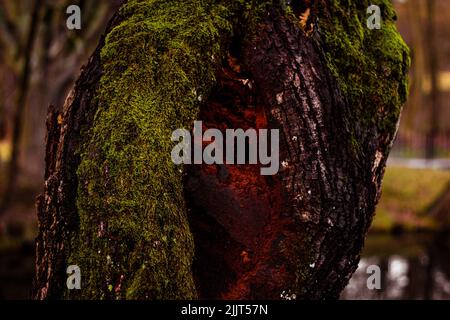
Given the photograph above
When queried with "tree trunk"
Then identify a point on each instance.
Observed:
(433, 128)
(139, 227)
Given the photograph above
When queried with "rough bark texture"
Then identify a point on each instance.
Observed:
(297, 234)
(57, 205)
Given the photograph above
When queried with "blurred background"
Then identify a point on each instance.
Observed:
(40, 59)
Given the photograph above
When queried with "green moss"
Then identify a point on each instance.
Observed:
(371, 66)
(134, 240)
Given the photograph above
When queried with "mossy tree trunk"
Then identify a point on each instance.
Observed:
(140, 227)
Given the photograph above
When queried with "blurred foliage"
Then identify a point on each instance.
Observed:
(39, 62)
(425, 26)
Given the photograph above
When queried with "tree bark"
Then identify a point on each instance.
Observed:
(297, 234)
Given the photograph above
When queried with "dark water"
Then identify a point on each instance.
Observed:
(412, 267)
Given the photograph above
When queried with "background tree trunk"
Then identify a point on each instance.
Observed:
(13, 168)
(115, 205)
(433, 128)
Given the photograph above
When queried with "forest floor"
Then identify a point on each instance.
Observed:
(408, 198)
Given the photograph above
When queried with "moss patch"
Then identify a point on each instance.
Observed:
(371, 66)
(159, 64)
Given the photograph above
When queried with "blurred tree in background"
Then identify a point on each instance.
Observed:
(425, 127)
(39, 58)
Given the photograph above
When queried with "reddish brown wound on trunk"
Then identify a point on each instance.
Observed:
(233, 208)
